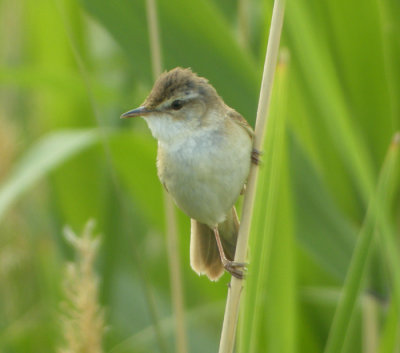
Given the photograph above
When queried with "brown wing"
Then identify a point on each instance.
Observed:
(238, 119)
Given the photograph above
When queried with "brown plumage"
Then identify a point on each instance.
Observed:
(204, 157)
(174, 82)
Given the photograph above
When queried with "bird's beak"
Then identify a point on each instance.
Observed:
(141, 111)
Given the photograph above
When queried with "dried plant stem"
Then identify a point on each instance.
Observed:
(154, 38)
(176, 281)
(370, 321)
(243, 22)
(170, 216)
(232, 305)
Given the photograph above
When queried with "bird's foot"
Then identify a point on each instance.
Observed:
(236, 269)
(255, 156)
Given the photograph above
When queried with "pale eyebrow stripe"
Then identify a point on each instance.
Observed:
(183, 98)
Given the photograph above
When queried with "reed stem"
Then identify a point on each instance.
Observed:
(170, 214)
(233, 301)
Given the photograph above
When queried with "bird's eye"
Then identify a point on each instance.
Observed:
(177, 104)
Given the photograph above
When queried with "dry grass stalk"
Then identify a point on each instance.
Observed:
(227, 341)
(82, 318)
(243, 23)
(170, 214)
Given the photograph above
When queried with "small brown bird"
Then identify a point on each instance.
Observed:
(203, 161)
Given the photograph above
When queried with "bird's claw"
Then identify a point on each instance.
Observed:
(255, 156)
(236, 269)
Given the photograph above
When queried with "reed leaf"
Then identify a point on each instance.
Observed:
(48, 153)
(374, 220)
(270, 291)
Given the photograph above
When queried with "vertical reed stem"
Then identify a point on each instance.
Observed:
(370, 320)
(243, 22)
(232, 305)
(154, 38)
(170, 216)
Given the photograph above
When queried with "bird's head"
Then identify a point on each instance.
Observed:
(177, 104)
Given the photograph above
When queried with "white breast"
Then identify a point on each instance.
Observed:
(204, 170)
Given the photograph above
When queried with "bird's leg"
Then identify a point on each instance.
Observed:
(234, 268)
(255, 156)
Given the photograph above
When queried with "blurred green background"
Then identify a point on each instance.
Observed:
(69, 68)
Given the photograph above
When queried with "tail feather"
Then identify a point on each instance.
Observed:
(204, 254)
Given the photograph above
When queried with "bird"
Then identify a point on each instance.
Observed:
(203, 161)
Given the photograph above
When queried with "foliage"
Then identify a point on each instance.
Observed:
(70, 68)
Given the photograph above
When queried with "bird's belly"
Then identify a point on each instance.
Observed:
(205, 179)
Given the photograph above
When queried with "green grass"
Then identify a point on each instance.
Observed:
(375, 222)
(326, 221)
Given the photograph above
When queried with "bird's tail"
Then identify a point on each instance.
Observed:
(204, 254)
